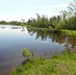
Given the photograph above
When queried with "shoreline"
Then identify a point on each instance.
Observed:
(63, 63)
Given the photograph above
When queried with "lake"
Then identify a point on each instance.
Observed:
(14, 38)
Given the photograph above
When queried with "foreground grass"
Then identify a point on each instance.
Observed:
(69, 32)
(62, 64)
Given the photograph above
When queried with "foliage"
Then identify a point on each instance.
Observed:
(40, 22)
(72, 8)
(27, 53)
(11, 22)
(3, 22)
(14, 23)
(44, 22)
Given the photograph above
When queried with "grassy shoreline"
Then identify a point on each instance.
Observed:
(69, 32)
(61, 64)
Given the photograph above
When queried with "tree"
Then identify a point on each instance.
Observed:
(22, 20)
(64, 14)
(72, 9)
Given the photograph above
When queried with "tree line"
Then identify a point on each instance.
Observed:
(10, 23)
(66, 20)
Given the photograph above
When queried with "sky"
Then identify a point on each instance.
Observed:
(24, 9)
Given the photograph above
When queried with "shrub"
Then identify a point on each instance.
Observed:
(27, 53)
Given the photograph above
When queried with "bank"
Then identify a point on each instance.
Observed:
(61, 64)
(69, 32)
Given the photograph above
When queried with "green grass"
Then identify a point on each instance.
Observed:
(69, 32)
(62, 64)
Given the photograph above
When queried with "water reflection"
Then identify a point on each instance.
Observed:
(12, 27)
(22, 28)
(2, 27)
(9, 26)
(43, 44)
(15, 27)
(69, 42)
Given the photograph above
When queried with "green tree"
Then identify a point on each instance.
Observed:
(72, 9)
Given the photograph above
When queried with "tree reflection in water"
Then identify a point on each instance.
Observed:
(23, 28)
(69, 42)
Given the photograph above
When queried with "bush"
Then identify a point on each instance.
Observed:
(27, 53)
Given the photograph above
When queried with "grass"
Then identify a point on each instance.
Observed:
(61, 64)
(69, 32)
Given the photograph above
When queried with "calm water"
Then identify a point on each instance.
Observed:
(14, 38)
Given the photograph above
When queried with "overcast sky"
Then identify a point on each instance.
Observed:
(24, 9)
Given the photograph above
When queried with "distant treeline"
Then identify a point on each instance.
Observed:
(11, 22)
